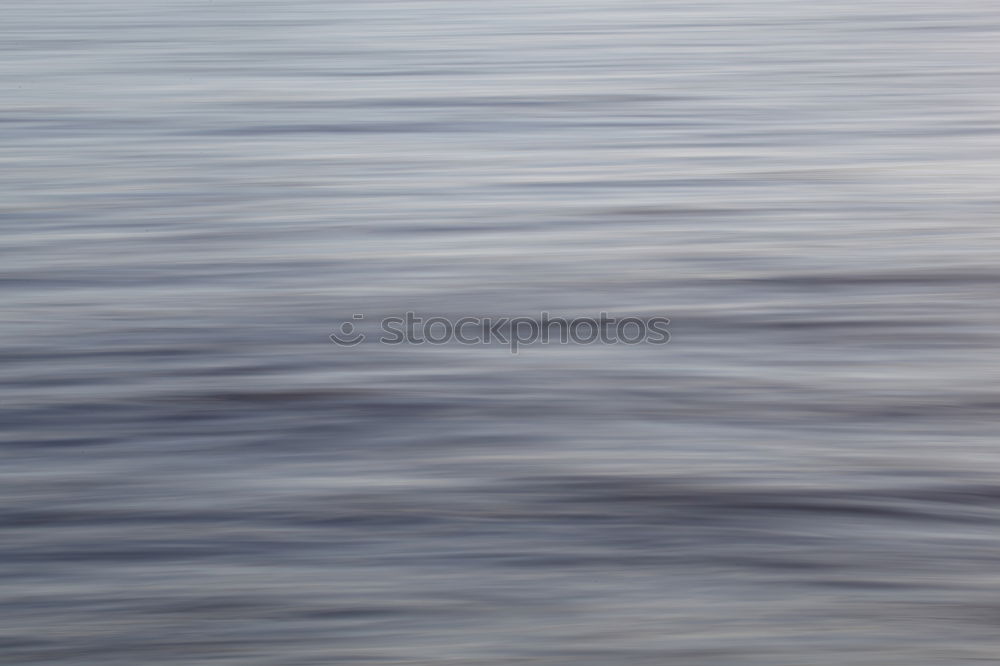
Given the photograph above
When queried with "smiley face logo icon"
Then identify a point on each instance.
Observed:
(347, 336)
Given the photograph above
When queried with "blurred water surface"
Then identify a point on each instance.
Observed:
(196, 193)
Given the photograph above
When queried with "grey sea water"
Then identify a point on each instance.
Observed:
(195, 194)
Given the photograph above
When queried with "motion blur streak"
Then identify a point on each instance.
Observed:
(195, 194)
